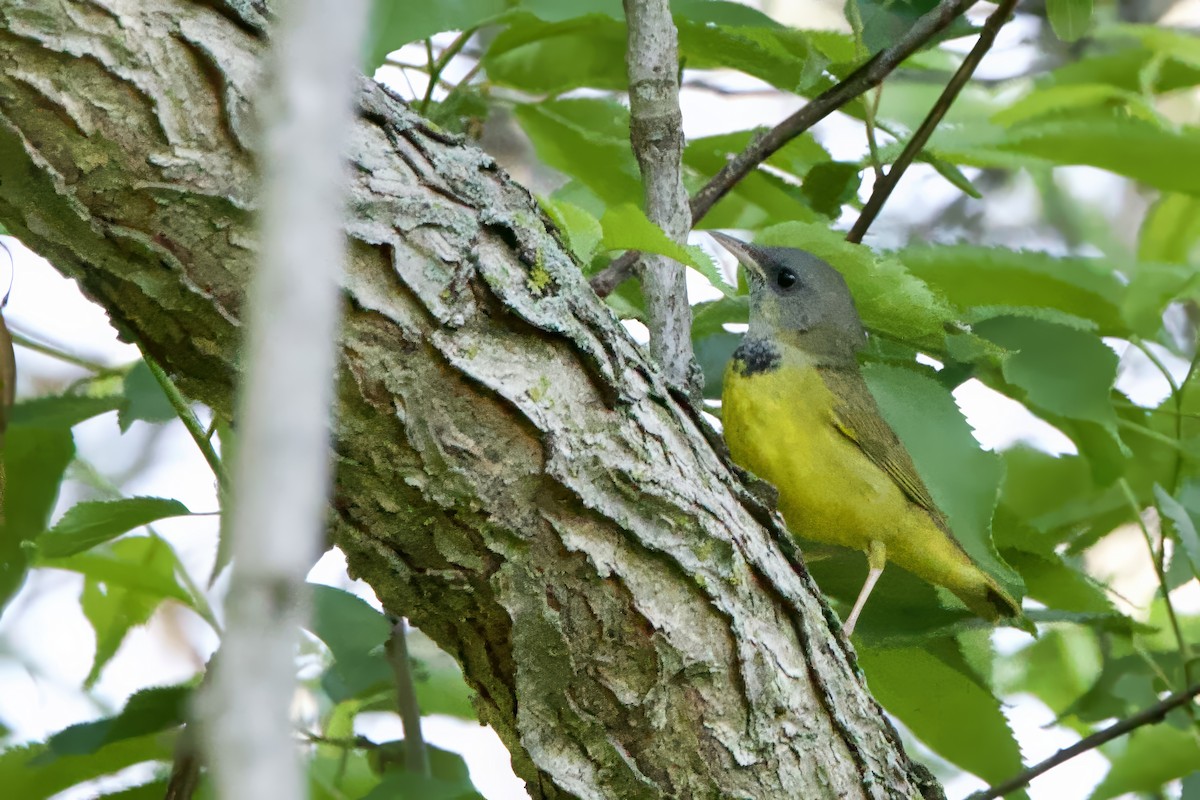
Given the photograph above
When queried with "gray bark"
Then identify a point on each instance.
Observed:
(512, 474)
(656, 133)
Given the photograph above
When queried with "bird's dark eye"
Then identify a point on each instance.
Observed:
(786, 278)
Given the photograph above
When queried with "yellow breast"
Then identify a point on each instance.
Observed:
(779, 423)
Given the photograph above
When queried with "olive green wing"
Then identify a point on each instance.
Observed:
(857, 417)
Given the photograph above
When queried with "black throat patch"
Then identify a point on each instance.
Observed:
(754, 356)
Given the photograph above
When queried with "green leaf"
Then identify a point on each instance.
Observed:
(712, 354)
(932, 692)
(831, 185)
(22, 776)
(1052, 581)
(355, 634)
(1154, 756)
(963, 479)
(61, 411)
(890, 299)
(1183, 525)
(395, 23)
(588, 140)
(144, 399)
(1055, 100)
(125, 581)
(1069, 19)
(35, 459)
(626, 227)
(1125, 146)
(1171, 230)
(147, 711)
(90, 523)
(154, 790)
(582, 230)
(537, 57)
(1057, 668)
(972, 277)
(1061, 370)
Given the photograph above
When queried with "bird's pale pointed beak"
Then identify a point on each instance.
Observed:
(747, 254)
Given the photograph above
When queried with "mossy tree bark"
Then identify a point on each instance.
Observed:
(511, 473)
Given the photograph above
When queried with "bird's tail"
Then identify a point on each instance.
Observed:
(988, 599)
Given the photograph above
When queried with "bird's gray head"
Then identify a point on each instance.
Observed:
(794, 292)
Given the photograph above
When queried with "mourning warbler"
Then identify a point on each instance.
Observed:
(798, 414)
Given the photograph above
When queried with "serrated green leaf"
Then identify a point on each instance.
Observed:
(1055, 100)
(931, 691)
(890, 299)
(144, 399)
(554, 57)
(992, 276)
(94, 522)
(1069, 19)
(1154, 756)
(1061, 370)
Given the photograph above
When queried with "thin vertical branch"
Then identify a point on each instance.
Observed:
(883, 188)
(656, 132)
(416, 755)
(281, 469)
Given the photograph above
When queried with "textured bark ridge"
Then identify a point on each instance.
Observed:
(511, 474)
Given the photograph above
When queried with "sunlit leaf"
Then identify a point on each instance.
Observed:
(90, 523)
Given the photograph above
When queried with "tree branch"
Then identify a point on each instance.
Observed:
(1153, 714)
(868, 75)
(656, 133)
(416, 757)
(883, 187)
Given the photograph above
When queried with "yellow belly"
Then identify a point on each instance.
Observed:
(780, 425)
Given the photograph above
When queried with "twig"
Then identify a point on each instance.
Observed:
(1156, 558)
(865, 77)
(416, 756)
(883, 188)
(1154, 713)
(438, 65)
(68, 358)
(183, 409)
(656, 133)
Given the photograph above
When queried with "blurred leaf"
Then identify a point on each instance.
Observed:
(144, 399)
(395, 23)
(1055, 100)
(930, 690)
(355, 634)
(626, 227)
(154, 790)
(61, 411)
(1171, 230)
(1069, 19)
(1191, 787)
(587, 139)
(830, 185)
(712, 316)
(1057, 668)
(993, 276)
(147, 711)
(1154, 756)
(448, 779)
(94, 522)
(125, 581)
(541, 57)
(582, 230)
(890, 299)
(35, 459)
(1051, 581)
(23, 777)
(1182, 524)
(963, 480)
(1126, 146)
(338, 774)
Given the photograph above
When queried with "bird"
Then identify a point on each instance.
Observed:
(798, 414)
